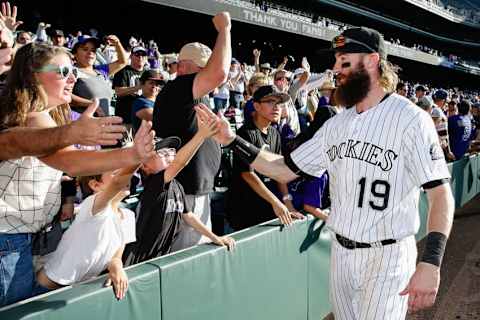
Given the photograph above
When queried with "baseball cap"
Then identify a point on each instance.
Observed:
(360, 40)
(197, 52)
(269, 91)
(420, 88)
(440, 95)
(151, 75)
(171, 60)
(425, 103)
(81, 40)
(327, 85)
(265, 66)
(235, 61)
(139, 49)
(170, 142)
(298, 72)
(57, 33)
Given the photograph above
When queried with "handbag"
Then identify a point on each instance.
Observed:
(46, 240)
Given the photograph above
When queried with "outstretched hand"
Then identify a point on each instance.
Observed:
(92, 131)
(143, 144)
(9, 16)
(207, 123)
(225, 134)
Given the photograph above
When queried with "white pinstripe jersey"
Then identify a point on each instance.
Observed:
(377, 160)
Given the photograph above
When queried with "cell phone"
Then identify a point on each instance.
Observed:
(3, 45)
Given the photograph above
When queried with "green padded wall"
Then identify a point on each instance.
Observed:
(91, 301)
(318, 270)
(264, 278)
(274, 273)
(469, 187)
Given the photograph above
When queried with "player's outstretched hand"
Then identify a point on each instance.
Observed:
(423, 287)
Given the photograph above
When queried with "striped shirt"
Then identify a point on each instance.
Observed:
(377, 161)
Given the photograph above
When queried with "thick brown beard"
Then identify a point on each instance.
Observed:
(355, 88)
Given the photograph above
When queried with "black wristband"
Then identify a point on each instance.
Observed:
(434, 248)
(245, 150)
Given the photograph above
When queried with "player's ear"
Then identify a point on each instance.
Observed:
(371, 61)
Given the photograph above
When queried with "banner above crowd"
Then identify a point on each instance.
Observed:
(247, 12)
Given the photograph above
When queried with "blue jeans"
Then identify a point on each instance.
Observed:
(16, 267)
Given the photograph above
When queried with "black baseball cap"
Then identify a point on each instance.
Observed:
(360, 40)
(151, 75)
(170, 142)
(269, 91)
(58, 33)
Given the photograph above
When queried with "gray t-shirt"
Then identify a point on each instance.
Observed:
(95, 86)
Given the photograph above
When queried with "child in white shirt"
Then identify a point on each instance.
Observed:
(97, 237)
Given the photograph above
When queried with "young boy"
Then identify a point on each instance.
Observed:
(163, 203)
(96, 239)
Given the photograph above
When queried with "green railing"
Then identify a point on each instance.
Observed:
(274, 273)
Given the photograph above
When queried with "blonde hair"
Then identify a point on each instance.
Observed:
(258, 79)
(388, 75)
(23, 93)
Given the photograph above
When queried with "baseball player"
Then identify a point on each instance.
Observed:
(379, 154)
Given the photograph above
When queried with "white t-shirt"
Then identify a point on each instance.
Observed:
(89, 244)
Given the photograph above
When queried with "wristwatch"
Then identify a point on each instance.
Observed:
(287, 196)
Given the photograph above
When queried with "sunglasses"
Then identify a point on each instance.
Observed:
(281, 78)
(64, 71)
(140, 54)
(340, 41)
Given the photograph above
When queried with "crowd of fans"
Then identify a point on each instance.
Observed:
(463, 10)
(61, 163)
(332, 24)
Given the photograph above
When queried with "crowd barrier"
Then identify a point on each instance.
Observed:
(274, 273)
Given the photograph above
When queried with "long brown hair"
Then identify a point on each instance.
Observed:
(23, 93)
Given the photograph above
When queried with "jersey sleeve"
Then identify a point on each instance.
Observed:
(424, 155)
(310, 157)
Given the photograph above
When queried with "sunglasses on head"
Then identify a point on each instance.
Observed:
(64, 70)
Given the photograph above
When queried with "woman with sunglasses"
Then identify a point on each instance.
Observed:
(39, 88)
(93, 81)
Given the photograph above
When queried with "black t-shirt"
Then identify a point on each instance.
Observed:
(245, 207)
(173, 115)
(161, 208)
(127, 77)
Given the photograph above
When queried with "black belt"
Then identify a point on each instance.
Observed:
(350, 244)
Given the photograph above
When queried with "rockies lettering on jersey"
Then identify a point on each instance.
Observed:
(363, 151)
(377, 161)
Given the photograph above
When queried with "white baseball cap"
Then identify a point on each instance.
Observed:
(196, 52)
